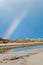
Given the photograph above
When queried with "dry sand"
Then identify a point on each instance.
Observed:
(27, 57)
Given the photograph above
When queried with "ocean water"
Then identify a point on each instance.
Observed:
(27, 48)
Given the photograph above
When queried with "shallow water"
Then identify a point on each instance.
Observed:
(27, 48)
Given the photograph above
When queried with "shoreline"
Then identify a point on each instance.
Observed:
(21, 57)
(20, 44)
(5, 47)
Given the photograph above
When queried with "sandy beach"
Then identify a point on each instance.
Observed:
(27, 57)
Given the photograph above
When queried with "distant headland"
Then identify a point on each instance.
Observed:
(2, 40)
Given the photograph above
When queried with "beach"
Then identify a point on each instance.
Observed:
(26, 57)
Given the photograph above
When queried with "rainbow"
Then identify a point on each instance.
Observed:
(13, 26)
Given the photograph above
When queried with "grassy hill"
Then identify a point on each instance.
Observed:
(4, 40)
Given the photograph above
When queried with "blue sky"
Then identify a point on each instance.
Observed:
(31, 25)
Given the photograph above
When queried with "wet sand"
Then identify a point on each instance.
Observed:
(27, 57)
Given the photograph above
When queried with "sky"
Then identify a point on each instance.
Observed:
(21, 19)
